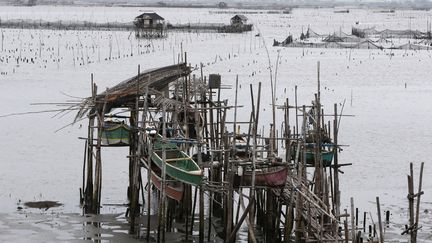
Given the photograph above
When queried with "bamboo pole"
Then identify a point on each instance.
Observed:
(336, 192)
(210, 199)
(411, 200)
(96, 191)
(353, 231)
(193, 210)
(201, 216)
(418, 202)
(251, 231)
(149, 151)
(299, 231)
(254, 134)
(131, 189)
(289, 218)
(82, 192)
(134, 162)
(98, 168)
(346, 231)
(163, 174)
(296, 111)
(379, 221)
(318, 189)
(287, 132)
(149, 185)
(89, 187)
(201, 190)
(235, 120)
(233, 155)
(237, 227)
(186, 207)
(229, 197)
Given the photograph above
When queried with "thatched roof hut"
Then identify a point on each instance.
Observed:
(148, 20)
(154, 82)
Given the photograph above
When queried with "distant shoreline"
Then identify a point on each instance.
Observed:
(426, 6)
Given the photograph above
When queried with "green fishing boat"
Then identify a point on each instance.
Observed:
(326, 155)
(115, 134)
(178, 164)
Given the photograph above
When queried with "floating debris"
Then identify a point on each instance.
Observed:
(42, 204)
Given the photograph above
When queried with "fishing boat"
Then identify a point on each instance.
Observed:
(173, 189)
(178, 164)
(115, 133)
(326, 155)
(241, 146)
(326, 151)
(274, 176)
(341, 11)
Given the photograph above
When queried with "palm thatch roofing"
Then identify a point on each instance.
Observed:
(239, 17)
(152, 82)
(150, 15)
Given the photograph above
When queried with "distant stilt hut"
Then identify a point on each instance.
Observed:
(238, 24)
(150, 25)
(239, 20)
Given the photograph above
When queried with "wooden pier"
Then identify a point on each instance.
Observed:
(156, 31)
(283, 185)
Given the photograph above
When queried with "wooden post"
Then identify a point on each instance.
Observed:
(299, 231)
(235, 121)
(289, 218)
(200, 162)
(364, 222)
(133, 172)
(251, 232)
(254, 134)
(88, 207)
(317, 147)
(277, 220)
(186, 204)
(149, 185)
(163, 174)
(379, 221)
(346, 231)
(353, 230)
(231, 237)
(193, 210)
(134, 168)
(287, 133)
(418, 202)
(269, 225)
(201, 214)
(162, 210)
(411, 200)
(336, 197)
(296, 111)
(98, 166)
(82, 192)
(230, 194)
(356, 217)
(149, 151)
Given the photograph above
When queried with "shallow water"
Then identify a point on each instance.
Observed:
(389, 130)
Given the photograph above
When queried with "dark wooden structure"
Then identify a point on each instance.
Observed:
(150, 25)
(238, 24)
(189, 111)
(239, 19)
